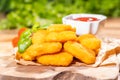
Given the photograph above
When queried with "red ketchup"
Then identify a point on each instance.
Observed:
(86, 19)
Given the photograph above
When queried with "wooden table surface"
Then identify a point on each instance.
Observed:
(6, 36)
(110, 29)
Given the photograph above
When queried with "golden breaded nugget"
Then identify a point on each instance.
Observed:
(60, 27)
(57, 59)
(24, 56)
(39, 36)
(27, 56)
(91, 43)
(97, 51)
(61, 36)
(80, 52)
(18, 55)
(39, 49)
(84, 36)
(91, 51)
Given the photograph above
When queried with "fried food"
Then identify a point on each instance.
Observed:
(91, 43)
(58, 59)
(61, 36)
(58, 44)
(84, 36)
(27, 56)
(91, 51)
(24, 56)
(18, 55)
(60, 27)
(39, 36)
(80, 52)
(96, 51)
(40, 49)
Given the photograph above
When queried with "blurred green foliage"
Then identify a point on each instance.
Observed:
(24, 13)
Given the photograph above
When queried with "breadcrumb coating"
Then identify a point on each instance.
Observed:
(40, 49)
(61, 36)
(60, 27)
(91, 43)
(57, 59)
(84, 36)
(79, 52)
(39, 36)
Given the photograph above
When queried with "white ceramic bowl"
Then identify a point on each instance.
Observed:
(83, 27)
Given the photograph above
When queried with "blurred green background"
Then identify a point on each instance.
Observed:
(24, 13)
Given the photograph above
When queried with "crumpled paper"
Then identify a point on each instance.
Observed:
(107, 63)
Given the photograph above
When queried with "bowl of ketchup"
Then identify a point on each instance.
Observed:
(84, 23)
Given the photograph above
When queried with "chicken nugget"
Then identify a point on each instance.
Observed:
(60, 27)
(27, 56)
(24, 56)
(93, 52)
(18, 55)
(84, 36)
(39, 36)
(58, 59)
(79, 52)
(61, 36)
(91, 43)
(96, 51)
(39, 49)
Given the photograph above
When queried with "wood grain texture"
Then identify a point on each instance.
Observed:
(112, 23)
(7, 35)
(9, 70)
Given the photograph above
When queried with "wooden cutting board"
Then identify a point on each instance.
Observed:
(9, 70)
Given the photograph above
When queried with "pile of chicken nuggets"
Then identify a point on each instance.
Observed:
(58, 45)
